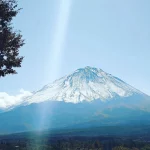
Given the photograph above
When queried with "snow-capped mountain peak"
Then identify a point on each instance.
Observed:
(84, 84)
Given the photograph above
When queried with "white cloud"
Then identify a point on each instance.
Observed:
(7, 100)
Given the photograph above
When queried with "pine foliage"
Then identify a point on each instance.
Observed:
(10, 41)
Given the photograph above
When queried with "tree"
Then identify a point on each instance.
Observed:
(120, 148)
(10, 41)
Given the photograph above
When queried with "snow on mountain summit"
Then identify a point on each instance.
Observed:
(84, 84)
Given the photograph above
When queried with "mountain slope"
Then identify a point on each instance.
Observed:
(59, 115)
(85, 84)
(87, 98)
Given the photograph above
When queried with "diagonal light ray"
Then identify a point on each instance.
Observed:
(59, 39)
(57, 47)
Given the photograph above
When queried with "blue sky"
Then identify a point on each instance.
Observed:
(64, 35)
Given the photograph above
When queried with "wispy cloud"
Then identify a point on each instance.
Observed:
(7, 100)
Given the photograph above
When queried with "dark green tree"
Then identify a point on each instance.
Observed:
(10, 41)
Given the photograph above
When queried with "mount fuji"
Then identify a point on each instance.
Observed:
(85, 84)
(89, 97)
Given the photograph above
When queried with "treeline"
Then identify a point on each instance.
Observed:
(73, 144)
